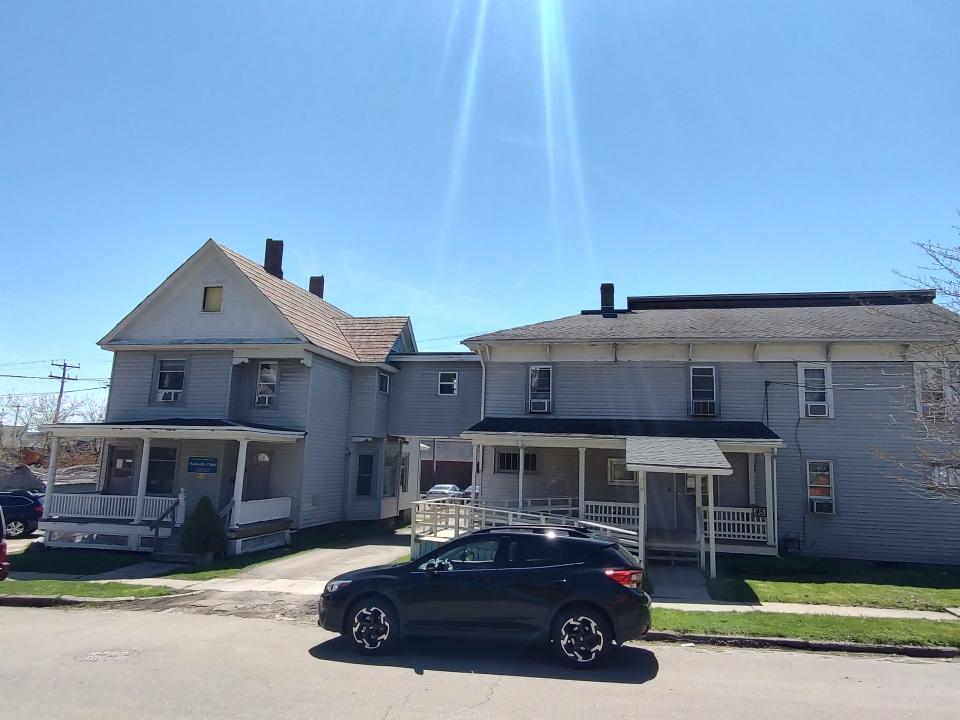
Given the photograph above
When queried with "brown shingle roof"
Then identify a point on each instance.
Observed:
(324, 325)
(905, 323)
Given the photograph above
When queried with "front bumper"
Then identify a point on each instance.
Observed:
(330, 612)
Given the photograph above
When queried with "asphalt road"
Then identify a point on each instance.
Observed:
(86, 663)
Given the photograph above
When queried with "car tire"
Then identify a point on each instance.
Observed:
(372, 626)
(16, 528)
(582, 637)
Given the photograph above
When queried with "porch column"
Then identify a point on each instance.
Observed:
(773, 515)
(142, 482)
(51, 474)
(701, 542)
(520, 478)
(477, 451)
(642, 516)
(752, 477)
(712, 527)
(770, 499)
(582, 482)
(238, 483)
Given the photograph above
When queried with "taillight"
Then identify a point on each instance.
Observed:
(632, 579)
(38, 509)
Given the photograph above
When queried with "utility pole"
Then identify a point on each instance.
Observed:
(62, 377)
(16, 423)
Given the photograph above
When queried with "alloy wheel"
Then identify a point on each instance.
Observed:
(16, 528)
(581, 639)
(371, 627)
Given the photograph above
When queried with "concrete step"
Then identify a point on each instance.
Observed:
(171, 556)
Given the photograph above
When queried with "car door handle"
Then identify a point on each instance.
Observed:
(560, 581)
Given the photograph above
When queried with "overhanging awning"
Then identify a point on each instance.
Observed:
(676, 455)
(176, 429)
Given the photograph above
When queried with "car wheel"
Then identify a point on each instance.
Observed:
(582, 637)
(373, 626)
(16, 528)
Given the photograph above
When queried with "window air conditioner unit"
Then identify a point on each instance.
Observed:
(703, 408)
(817, 409)
(169, 395)
(821, 507)
(539, 406)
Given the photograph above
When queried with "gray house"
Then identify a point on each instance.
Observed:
(687, 426)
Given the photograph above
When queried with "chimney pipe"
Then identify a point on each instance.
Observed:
(273, 258)
(316, 285)
(606, 297)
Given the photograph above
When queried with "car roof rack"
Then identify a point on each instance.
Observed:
(569, 530)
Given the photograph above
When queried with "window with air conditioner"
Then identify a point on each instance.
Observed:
(703, 391)
(170, 380)
(816, 390)
(267, 375)
(540, 391)
(820, 493)
(447, 383)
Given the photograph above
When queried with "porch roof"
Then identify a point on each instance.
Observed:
(721, 430)
(672, 454)
(177, 429)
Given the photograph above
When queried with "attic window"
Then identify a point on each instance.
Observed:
(212, 298)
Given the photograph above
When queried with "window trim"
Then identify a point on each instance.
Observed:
(611, 461)
(802, 388)
(257, 384)
(530, 369)
(441, 383)
(716, 394)
(515, 451)
(155, 384)
(382, 374)
(176, 468)
(820, 498)
(203, 300)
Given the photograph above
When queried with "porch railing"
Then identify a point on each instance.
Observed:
(736, 523)
(254, 511)
(612, 513)
(109, 507)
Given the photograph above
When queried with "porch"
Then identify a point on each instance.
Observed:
(686, 490)
(136, 506)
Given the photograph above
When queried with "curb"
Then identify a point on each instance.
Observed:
(918, 651)
(39, 601)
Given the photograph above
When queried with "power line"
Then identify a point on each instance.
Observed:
(55, 392)
(47, 377)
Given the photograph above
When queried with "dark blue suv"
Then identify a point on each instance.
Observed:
(22, 511)
(580, 593)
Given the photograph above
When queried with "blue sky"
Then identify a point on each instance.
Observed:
(474, 165)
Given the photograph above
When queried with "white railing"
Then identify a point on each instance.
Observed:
(612, 513)
(441, 520)
(253, 511)
(736, 523)
(108, 507)
(559, 505)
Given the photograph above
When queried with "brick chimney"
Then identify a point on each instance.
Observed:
(316, 285)
(273, 258)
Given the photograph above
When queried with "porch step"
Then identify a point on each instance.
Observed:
(172, 557)
(673, 557)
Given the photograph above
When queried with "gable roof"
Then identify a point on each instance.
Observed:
(364, 340)
(895, 323)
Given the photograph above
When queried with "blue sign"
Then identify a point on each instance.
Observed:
(204, 465)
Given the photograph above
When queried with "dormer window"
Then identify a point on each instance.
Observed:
(212, 298)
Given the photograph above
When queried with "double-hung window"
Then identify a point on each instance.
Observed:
(816, 390)
(383, 382)
(508, 461)
(820, 492)
(170, 379)
(934, 391)
(447, 383)
(364, 473)
(703, 391)
(540, 392)
(267, 375)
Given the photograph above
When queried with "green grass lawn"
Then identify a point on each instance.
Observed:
(80, 588)
(810, 627)
(836, 582)
(70, 562)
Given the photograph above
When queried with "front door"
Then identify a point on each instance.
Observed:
(686, 504)
(661, 501)
(256, 483)
(120, 471)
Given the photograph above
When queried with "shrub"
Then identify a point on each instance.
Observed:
(203, 532)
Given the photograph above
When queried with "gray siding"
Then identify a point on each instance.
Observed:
(289, 409)
(417, 409)
(367, 416)
(205, 391)
(322, 495)
(872, 441)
